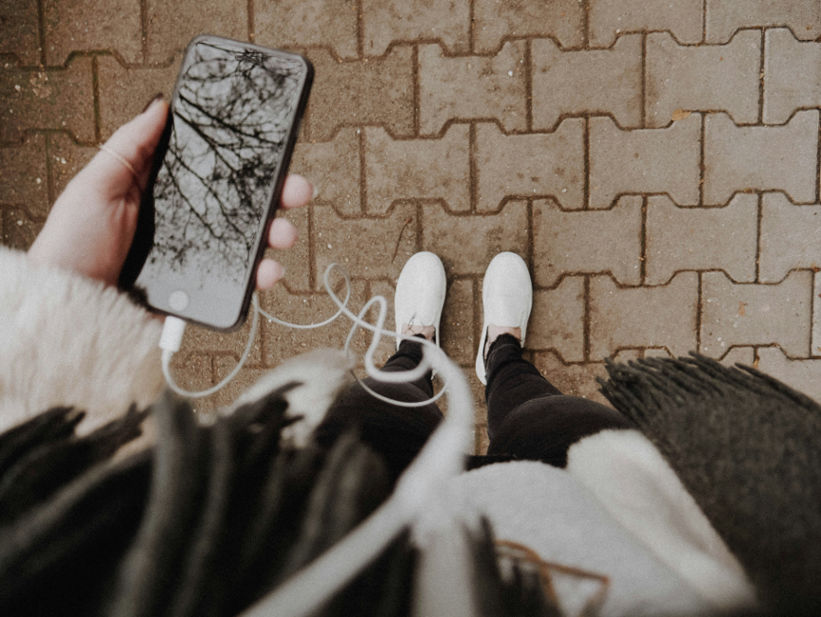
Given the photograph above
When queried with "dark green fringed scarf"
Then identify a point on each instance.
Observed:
(748, 448)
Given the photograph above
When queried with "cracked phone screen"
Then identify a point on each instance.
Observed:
(231, 120)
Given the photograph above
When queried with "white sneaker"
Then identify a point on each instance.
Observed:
(507, 297)
(420, 294)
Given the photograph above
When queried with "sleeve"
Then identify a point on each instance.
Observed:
(69, 340)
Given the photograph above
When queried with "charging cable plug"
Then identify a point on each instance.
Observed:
(171, 339)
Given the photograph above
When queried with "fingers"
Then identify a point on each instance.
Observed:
(296, 192)
(282, 234)
(269, 273)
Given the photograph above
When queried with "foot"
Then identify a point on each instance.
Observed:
(507, 297)
(420, 296)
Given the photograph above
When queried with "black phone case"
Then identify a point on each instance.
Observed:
(145, 232)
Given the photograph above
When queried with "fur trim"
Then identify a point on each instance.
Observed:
(640, 490)
(69, 340)
(321, 375)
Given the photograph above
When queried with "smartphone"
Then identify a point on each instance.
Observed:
(216, 184)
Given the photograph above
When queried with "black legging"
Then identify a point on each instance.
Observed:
(528, 418)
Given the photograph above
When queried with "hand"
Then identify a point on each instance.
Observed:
(91, 225)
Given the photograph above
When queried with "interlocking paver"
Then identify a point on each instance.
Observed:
(124, 91)
(417, 168)
(41, 98)
(701, 238)
(533, 165)
(572, 379)
(467, 243)
(815, 341)
(334, 170)
(343, 93)
(643, 316)
(784, 224)
(557, 319)
(723, 18)
(92, 25)
(799, 374)
(791, 75)
(457, 336)
(392, 237)
(742, 158)
(478, 87)
(590, 81)
(703, 78)
(587, 241)
(19, 227)
(608, 18)
(66, 158)
(171, 25)
(447, 21)
(644, 161)
(281, 343)
(302, 23)
(20, 30)
(24, 175)
(297, 276)
(751, 314)
(496, 19)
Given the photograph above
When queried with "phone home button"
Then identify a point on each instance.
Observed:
(178, 300)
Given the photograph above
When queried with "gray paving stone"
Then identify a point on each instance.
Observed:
(748, 314)
(587, 241)
(67, 158)
(643, 316)
(644, 161)
(170, 26)
(496, 19)
(815, 342)
(533, 165)
(478, 87)
(281, 343)
(425, 169)
(792, 75)
(590, 81)
(723, 18)
(297, 259)
(24, 176)
(124, 91)
(760, 158)
(467, 243)
(92, 25)
(386, 242)
(38, 98)
(334, 169)
(19, 227)
(703, 78)
(295, 24)
(364, 92)
(457, 335)
(446, 21)
(557, 320)
(799, 374)
(20, 30)
(788, 237)
(578, 379)
(701, 238)
(609, 18)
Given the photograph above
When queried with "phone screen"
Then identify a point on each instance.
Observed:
(232, 126)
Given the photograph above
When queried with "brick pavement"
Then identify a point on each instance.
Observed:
(655, 162)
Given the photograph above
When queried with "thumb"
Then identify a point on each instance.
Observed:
(135, 143)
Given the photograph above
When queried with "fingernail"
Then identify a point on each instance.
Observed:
(154, 99)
